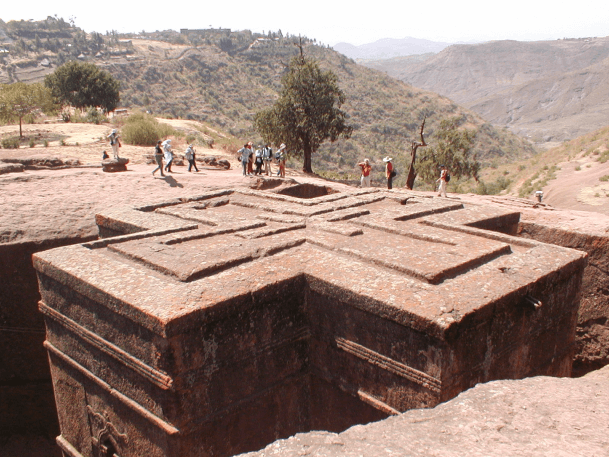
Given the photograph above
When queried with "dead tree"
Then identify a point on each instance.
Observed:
(412, 174)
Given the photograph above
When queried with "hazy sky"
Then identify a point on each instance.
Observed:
(332, 22)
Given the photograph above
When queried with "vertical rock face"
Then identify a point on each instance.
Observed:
(592, 336)
(217, 324)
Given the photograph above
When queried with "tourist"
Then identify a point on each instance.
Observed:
(114, 142)
(267, 156)
(250, 159)
(158, 156)
(258, 161)
(190, 156)
(443, 179)
(389, 171)
(105, 155)
(282, 156)
(168, 155)
(244, 157)
(366, 168)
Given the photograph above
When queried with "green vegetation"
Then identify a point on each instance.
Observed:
(83, 85)
(20, 100)
(307, 112)
(538, 181)
(604, 178)
(10, 142)
(451, 146)
(144, 130)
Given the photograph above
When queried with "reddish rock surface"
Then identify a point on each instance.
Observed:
(535, 417)
(263, 314)
(41, 209)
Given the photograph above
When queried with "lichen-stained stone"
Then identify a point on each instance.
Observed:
(216, 324)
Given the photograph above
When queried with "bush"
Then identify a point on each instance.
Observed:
(604, 178)
(144, 130)
(10, 142)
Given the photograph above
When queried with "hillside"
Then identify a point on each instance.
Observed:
(224, 78)
(546, 90)
(574, 175)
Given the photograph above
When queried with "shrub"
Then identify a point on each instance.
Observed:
(32, 143)
(144, 130)
(10, 142)
(604, 178)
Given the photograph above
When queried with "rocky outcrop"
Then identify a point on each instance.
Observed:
(534, 417)
(114, 165)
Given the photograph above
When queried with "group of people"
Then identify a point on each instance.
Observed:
(390, 173)
(262, 158)
(163, 151)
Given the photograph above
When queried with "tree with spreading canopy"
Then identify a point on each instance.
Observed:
(83, 85)
(307, 112)
(19, 100)
(451, 147)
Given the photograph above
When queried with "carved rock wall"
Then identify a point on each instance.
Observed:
(219, 323)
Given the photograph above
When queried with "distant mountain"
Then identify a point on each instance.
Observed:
(544, 90)
(387, 48)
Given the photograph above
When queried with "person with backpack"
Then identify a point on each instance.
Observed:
(158, 157)
(389, 171)
(245, 153)
(366, 168)
(443, 180)
(267, 156)
(190, 156)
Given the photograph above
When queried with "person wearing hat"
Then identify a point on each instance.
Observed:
(389, 172)
(442, 181)
(281, 160)
(366, 168)
(168, 155)
(190, 156)
(114, 142)
(250, 159)
(158, 156)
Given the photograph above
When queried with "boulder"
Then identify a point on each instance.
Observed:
(114, 165)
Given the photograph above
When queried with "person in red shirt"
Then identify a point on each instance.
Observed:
(389, 172)
(366, 168)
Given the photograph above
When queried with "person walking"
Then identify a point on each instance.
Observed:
(114, 142)
(442, 180)
(267, 156)
(190, 156)
(168, 155)
(158, 156)
(389, 171)
(366, 168)
(282, 157)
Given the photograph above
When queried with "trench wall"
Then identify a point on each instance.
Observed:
(592, 333)
(27, 405)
